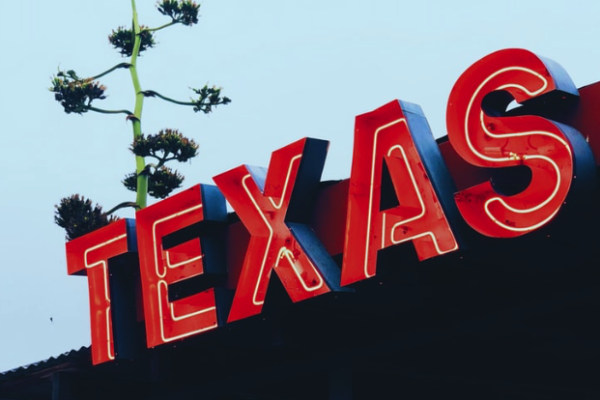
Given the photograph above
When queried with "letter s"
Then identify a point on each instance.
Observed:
(486, 135)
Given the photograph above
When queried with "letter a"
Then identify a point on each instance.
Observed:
(396, 135)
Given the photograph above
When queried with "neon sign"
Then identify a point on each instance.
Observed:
(397, 137)
(183, 239)
(273, 206)
(486, 140)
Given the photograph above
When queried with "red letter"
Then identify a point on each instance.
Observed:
(273, 210)
(482, 134)
(172, 249)
(90, 255)
(398, 136)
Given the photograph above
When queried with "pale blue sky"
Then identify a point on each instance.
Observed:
(293, 69)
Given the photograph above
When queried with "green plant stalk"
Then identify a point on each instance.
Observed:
(140, 164)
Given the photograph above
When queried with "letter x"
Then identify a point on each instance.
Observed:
(274, 208)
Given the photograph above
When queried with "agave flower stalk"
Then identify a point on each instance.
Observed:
(77, 95)
(141, 199)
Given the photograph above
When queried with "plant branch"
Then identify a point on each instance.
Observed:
(122, 65)
(152, 93)
(102, 111)
(122, 205)
(161, 160)
(160, 27)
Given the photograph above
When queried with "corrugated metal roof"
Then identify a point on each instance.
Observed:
(83, 353)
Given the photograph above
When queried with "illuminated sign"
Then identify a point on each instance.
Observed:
(395, 137)
(190, 252)
(195, 271)
(274, 206)
(550, 150)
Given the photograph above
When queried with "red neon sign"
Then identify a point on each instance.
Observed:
(181, 240)
(91, 255)
(161, 265)
(486, 138)
(394, 136)
(272, 205)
